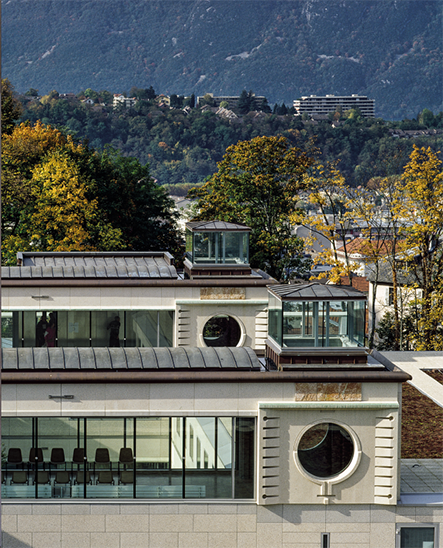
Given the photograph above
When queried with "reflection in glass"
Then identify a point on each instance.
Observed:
(417, 537)
(317, 324)
(325, 450)
(83, 328)
(144, 457)
(222, 330)
(217, 247)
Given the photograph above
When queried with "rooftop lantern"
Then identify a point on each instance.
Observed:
(217, 248)
(316, 324)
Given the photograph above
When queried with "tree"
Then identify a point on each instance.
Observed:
(245, 102)
(207, 99)
(380, 241)
(420, 204)
(328, 194)
(11, 107)
(257, 183)
(61, 195)
(264, 106)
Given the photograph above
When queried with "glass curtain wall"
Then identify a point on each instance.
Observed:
(82, 328)
(144, 457)
(318, 323)
(217, 247)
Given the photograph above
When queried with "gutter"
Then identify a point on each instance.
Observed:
(183, 376)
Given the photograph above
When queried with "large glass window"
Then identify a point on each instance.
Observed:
(416, 537)
(145, 457)
(299, 324)
(275, 319)
(217, 247)
(82, 328)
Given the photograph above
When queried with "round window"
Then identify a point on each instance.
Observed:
(325, 450)
(221, 330)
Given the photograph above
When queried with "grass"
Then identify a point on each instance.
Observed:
(422, 423)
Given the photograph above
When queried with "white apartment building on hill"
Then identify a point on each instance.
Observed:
(324, 104)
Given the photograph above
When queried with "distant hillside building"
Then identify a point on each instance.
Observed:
(324, 104)
(120, 99)
(232, 100)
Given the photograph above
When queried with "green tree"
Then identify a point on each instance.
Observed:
(257, 184)
(207, 99)
(11, 107)
(245, 102)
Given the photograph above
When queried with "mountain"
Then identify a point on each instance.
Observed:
(390, 50)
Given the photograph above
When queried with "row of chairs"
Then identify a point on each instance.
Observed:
(58, 456)
(126, 459)
(64, 477)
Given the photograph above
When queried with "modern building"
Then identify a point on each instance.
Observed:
(231, 100)
(136, 415)
(324, 104)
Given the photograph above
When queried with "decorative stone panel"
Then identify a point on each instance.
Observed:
(223, 293)
(331, 391)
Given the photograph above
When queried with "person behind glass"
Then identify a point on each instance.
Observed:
(114, 328)
(40, 329)
(51, 331)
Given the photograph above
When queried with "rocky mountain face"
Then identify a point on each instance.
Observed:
(390, 50)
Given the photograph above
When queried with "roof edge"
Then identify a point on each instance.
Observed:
(154, 377)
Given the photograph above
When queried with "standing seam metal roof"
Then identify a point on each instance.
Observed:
(65, 265)
(315, 291)
(208, 226)
(154, 359)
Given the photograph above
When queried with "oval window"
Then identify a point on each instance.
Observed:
(325, 450)
(222, 330)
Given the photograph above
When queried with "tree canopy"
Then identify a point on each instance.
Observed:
(59, 195)
(11, 107)
(257, 184)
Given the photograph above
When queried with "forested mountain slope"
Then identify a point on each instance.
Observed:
(184, 146)
(389, 50)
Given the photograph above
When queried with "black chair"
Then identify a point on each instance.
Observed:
(42, 477)
(19, 477)
(102, 458)
(62, 477)
(13, 460)
(126, 458)
(78, 458)
(35, 455)
(15, 456)
(58, 456)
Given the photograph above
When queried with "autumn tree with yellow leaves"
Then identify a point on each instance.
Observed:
(59, 195)
(258, 183)
(329, 195)
(420, 205)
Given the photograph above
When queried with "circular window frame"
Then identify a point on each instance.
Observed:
(242, 339)
(350, 468)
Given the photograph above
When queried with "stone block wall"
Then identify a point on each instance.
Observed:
(205, 525)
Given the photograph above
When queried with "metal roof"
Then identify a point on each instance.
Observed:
(131, 359)
(91, 265)
(315, 292)
(215, 226)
